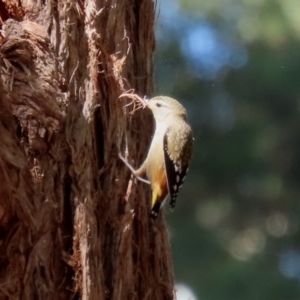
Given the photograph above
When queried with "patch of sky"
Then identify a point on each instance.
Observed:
(207, 49)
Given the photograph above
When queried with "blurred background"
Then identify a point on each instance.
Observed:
(235, 65)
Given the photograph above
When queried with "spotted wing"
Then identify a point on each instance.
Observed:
(177, 155)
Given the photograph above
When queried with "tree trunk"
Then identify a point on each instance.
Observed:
(73, 223)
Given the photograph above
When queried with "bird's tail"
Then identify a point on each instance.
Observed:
(155, 210)
(158, 200)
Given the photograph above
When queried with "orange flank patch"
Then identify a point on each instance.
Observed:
(159, 188)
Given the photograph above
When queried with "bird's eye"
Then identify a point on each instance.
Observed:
(158, 104)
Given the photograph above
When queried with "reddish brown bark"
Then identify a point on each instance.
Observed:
(72, 223)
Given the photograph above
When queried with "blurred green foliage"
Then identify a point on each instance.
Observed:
(235, 231)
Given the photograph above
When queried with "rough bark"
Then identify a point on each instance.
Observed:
(73, 225)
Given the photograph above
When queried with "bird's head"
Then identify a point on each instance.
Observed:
(163, 107)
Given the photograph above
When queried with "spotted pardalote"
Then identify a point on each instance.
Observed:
(169, 154)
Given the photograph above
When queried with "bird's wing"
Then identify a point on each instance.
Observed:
(177, 155)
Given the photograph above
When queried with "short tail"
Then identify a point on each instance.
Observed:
(155, 210)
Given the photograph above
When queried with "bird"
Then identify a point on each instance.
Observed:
(169, 154)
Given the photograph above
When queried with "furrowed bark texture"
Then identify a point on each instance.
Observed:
(73, 225)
